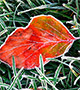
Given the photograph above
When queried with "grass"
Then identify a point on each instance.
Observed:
(62, 73)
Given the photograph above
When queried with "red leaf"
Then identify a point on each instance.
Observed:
(44, 35)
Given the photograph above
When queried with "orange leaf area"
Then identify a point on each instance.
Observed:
(44, 35)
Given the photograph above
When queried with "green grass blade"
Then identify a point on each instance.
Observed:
(7, 5)
(2, 88)
(4, 14)
(71, 8)
(2, 70)
(6, 86)
(78, 78)
(52, 6)
(57, 72)
(41, 63)
(14, 67)
(43, 1)
(30, 77)
(56, 60)
(34, 84)
(77, 4)
(9, 75)
(2, 32)
(15, 79)
(31, 3)
(14, 71)
(15, 13)
(2, 24)
(45, 78)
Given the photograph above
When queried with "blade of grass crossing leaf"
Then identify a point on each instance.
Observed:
(15, 79)
(2, 88)
(41, 63)
(14, 71)
(45, 78)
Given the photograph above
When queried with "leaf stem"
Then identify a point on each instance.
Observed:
(77, 38)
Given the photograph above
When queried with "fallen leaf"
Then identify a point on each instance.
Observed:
(44, 35)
